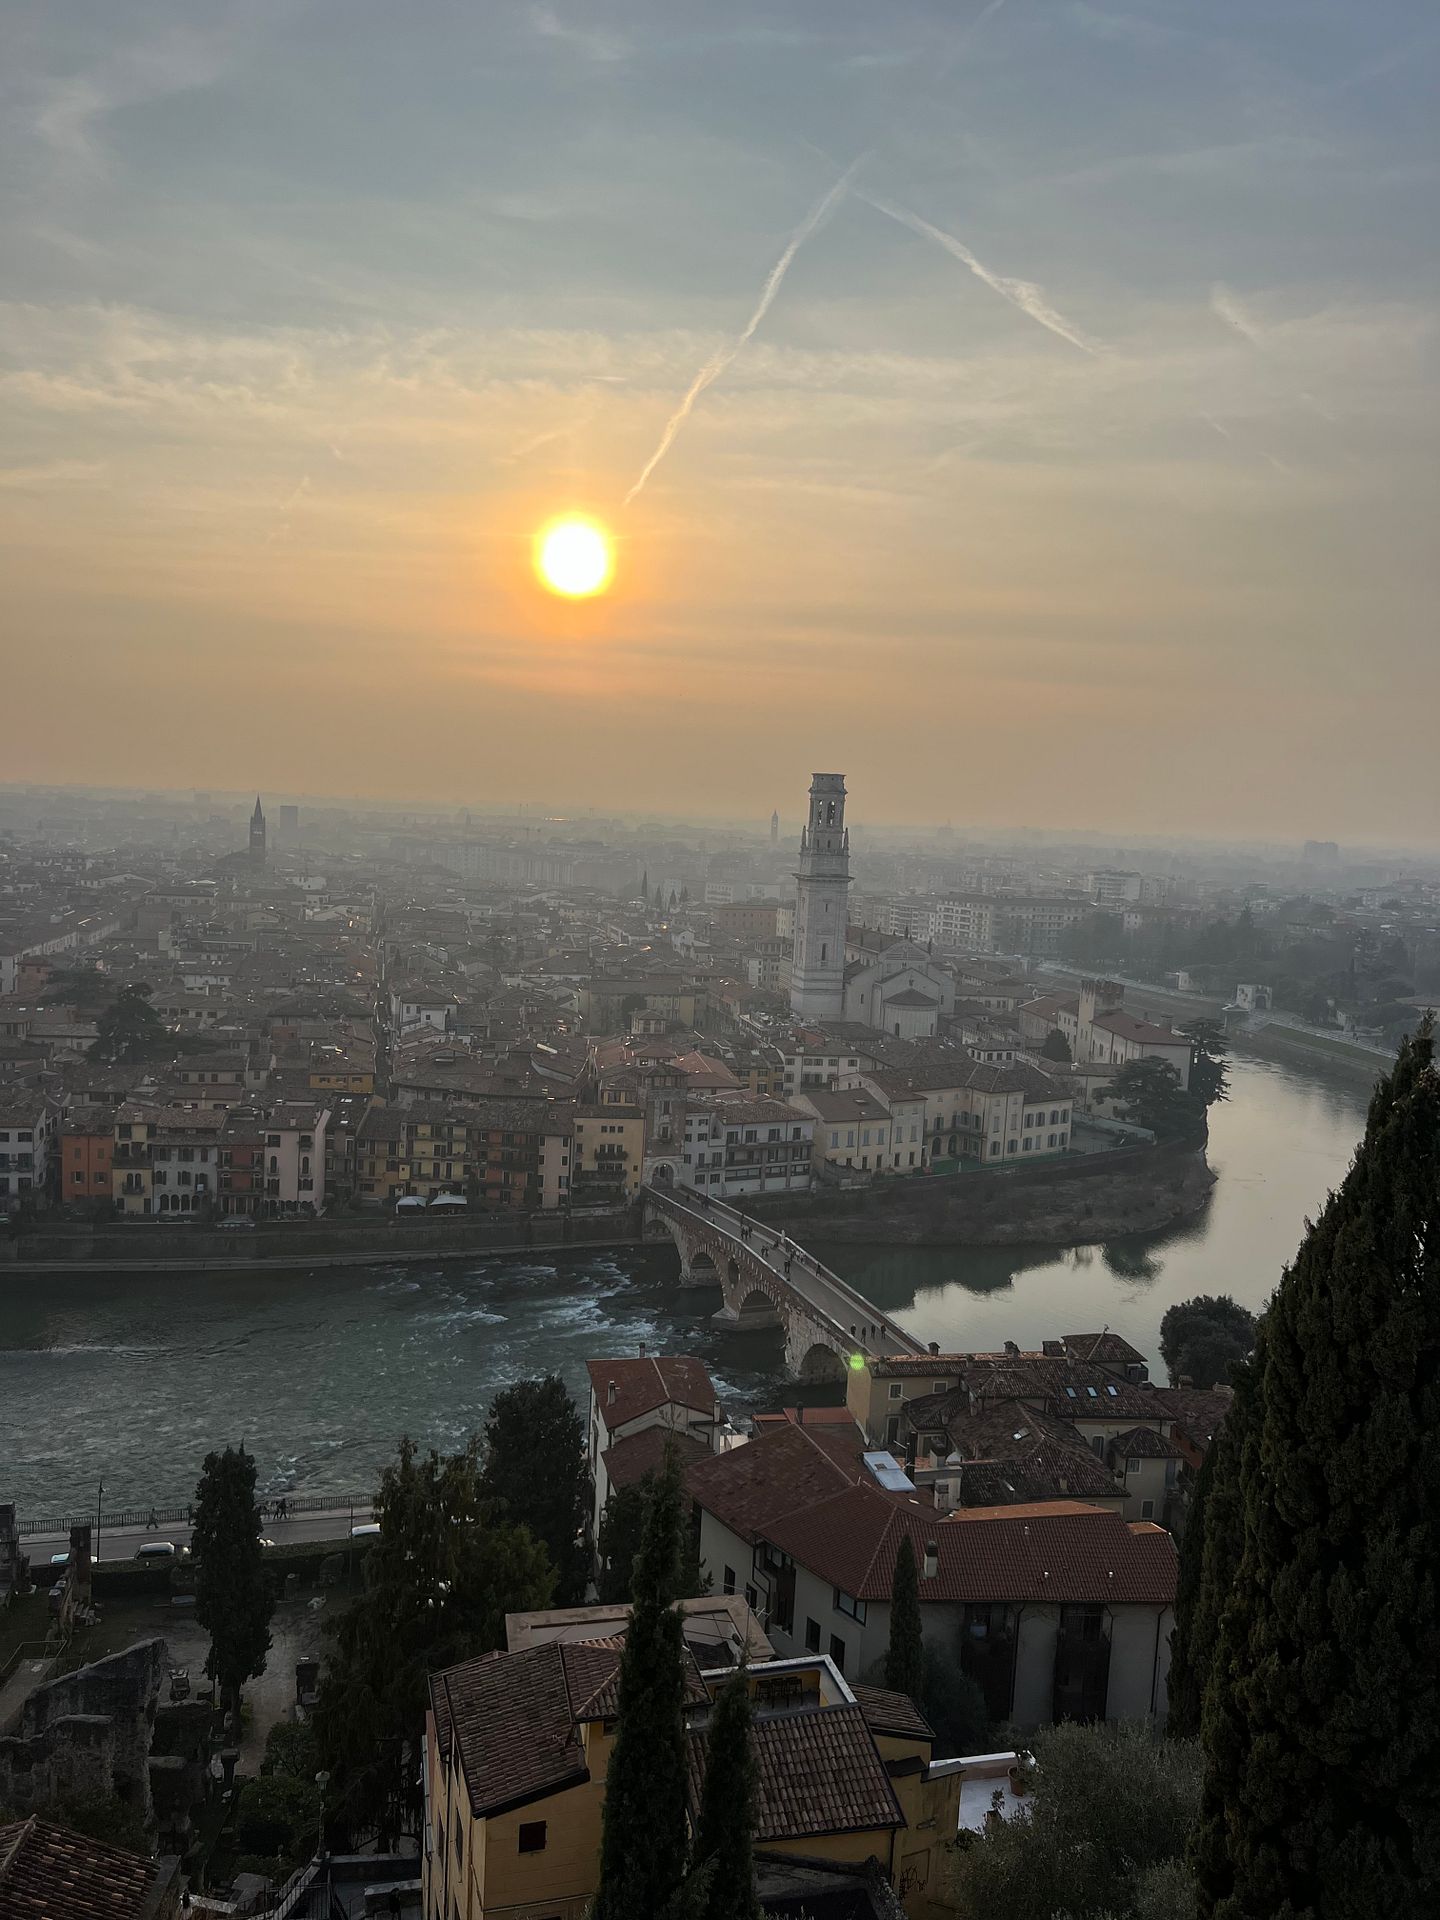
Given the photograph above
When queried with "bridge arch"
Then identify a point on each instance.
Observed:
(821, 1363)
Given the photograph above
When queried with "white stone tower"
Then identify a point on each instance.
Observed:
(822, 896)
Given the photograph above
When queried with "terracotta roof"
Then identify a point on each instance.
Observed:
(1130, 1026)
(49, 1873)
(787, 1467)
(889, 1712)
(1056, 1551)
(1199, 1412)
(643, 1385)
(517, 1716)
(512, 1718)
(631, 1458)
(819, 1772)
(1104, 1348)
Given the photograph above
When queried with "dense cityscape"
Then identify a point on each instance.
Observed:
(511, 1054)
(719, 938)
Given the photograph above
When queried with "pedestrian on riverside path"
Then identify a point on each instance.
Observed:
(153, 1521)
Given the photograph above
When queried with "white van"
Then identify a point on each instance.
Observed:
(157, 1550)
(365, 1530)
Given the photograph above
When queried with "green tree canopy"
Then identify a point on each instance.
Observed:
(1208, 1081)
(1056, 1047)
(905, 1657)
(1148, 1094)
(129, 1028)
(643, 1840)
(1203, 1338)
(278, 1818)
(536, 1473)
(1110, 1808)
(724, 1840)
(234, 1598)
(1321, 1714)
(440, 1579)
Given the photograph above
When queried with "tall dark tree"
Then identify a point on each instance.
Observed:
(1208, 1079)
(1209, 1560)
(535, 1469)
(438, 1584)
(905, 1656)
(234, 1597)
(642, 1847)
(725, 1831)
(1321, 1716)
(1056, 1047)
(622, 1527)
(1203, 1339)
(129, 1028)
(1148, 1094)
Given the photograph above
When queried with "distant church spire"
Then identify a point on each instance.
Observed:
(775, 828)
(257, 835)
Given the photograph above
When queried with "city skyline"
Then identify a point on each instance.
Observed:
(1031, 412)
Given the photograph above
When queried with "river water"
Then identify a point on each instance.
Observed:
(131, 1379)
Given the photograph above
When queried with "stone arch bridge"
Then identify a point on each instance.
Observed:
(767, 1280)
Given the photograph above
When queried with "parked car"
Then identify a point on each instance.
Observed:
(365, 1530)
(238, 1223)
(161, 1550)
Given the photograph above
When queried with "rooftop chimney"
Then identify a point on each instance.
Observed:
(610, 1394)
(934, 1346)
(932, 1560)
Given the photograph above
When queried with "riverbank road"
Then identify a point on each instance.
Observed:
(122, 1543)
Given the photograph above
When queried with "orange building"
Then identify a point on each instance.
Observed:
(87, 1154)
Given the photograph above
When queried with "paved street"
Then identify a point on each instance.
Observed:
(120, 1543)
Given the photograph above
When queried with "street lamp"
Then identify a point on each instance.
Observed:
(99, 1496)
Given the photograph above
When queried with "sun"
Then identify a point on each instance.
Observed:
(574, 557)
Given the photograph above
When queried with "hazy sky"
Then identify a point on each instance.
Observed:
(1082, 469)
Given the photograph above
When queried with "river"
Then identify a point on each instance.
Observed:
(130, 1379)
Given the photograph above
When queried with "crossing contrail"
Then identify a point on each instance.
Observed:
(1023, 294)
(723, 356)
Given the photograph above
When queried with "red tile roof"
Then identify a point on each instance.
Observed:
(516, 1717)
(643, 1385)
(781, 1469)
(895, 1713)
(49, 1873)
(819, 1772)
(629, 1460)
(1058, 1551)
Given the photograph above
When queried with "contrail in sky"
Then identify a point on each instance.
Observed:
(723, 356)
(1023, 294)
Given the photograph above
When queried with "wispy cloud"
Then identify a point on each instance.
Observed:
(721, 359)
(605, 49)
(1022, 294)
(73, 110)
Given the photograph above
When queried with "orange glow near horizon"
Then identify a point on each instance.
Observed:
(574, 557)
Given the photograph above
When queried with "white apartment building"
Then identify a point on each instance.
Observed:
(731, 1148)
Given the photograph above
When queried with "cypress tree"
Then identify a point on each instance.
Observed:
(725, 1837)
(1321, 1715)
(905, 1656)
(234, 1597)
(1209, 1557)
(643, 1838)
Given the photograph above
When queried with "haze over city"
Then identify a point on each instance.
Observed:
(1028, 408)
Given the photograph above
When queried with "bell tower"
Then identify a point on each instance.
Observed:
(822, 895)
(257, 835)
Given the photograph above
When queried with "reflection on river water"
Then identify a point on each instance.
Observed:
(1279, 1144)
(132, 1378)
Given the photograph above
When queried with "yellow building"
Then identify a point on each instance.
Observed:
(608, 1154)
(516, 1751)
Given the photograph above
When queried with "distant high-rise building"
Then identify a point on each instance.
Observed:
(822, 899)
(775, 828)
(257, 835)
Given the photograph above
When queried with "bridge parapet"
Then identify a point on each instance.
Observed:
(768, 1279)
